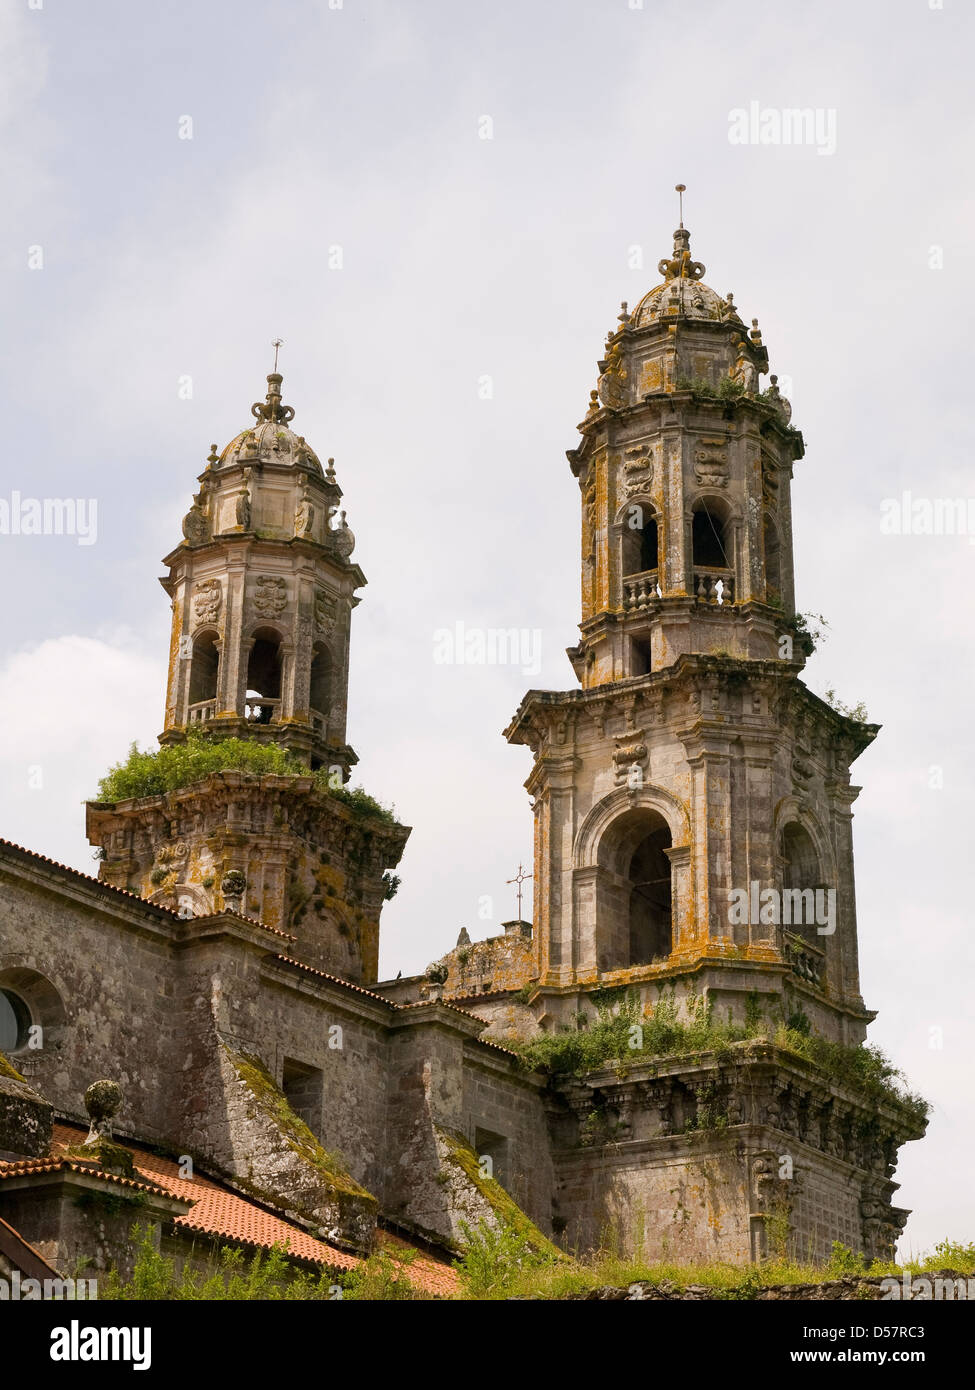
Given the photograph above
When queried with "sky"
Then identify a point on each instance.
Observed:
(438, 208)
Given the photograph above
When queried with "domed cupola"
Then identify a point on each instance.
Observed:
(263, 586)
(271, 440)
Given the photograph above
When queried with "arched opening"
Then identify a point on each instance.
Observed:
(204, 668)
(709, 538)
(264, 676)
(773, 571)
(634, 892)
(639, 539)
(320, 695)
(650, 892)
(801, 876)
(32, 1013)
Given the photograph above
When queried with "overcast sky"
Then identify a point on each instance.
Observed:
(133, 259)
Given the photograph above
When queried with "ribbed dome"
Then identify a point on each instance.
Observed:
(271, 440)
(683, 292)
(691, 299)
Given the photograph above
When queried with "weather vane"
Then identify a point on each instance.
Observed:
(276, 343)
(520, 878)
(680, 189)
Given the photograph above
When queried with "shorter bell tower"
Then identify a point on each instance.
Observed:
(262, 588)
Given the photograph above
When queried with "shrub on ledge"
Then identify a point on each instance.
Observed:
(153, 772)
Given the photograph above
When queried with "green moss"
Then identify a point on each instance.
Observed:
(502, 1204)
(273, 1103)
(6, 1069)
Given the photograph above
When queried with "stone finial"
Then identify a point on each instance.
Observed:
(464, 939)
(680, 266)
(755, 333)
(344, 537)
(232, 887)
(213, 457)
(436, 977)
(271, 408)
(103, 1100)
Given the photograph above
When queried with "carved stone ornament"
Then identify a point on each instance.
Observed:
(637, 468)
(326, 611)
(206, 601)
(195, 528)
(711, 464)
(272, 595)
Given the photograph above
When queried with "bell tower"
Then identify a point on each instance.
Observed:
(685, 472)
(693, 769)
(693, 818)
(262, 588)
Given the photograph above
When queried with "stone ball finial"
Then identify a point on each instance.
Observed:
(103, 1100)
(232, 886)
(437, 972)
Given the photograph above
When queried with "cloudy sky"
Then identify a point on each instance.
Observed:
(185, 182)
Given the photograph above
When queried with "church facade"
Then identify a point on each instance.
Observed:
(692, 806)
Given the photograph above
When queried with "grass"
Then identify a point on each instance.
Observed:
(496, 1267)
(153, 772)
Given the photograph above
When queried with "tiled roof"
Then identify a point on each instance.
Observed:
(218, 1211)
(337, 980)
(32, 1167)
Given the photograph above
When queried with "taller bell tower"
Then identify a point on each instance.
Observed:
(262, 588)
(693, 818)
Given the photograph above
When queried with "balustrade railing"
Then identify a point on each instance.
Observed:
(640, 590)
(714, 586)
(261, 711)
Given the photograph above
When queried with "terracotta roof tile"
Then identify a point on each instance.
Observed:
(221, 1212)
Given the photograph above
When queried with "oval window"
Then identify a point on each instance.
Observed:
(15, 1021)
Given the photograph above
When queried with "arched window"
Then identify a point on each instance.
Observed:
(801, 876)
(264, 676)
(320, 696)
(15, 1021)
(203, 672)
(709, 538)
(773, 573)
(633, 895)
(639, 539)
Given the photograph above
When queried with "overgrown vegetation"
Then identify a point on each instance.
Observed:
(625, 1037)
(496, 1266)
(727, 388)
(857, 712)
(151, 772)
(228, 1273)
(497, 1260)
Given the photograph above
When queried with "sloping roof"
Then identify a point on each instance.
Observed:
(22, 1255)
(159, 908)
(219, 1212)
